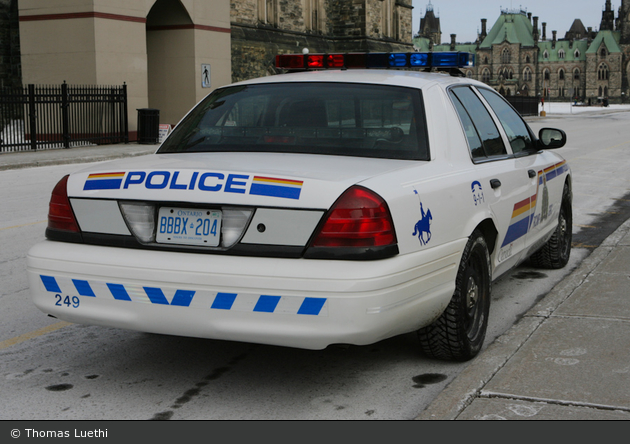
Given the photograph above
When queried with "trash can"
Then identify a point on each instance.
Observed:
(148, 125)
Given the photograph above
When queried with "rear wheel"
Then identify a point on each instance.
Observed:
(459, 332)
(556, 252)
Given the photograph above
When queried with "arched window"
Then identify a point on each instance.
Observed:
(506, 56)
(605, 91)
(602, 72)
(525, 91)
(527, 74)
(546, 74)
(577, 54)
(485, 60)
(527, 59)
(485, 76)
(546, 54)
(603, 53)
(600, 91)
(509, 74)
(561, 74)
(561, 54)
(576, 74)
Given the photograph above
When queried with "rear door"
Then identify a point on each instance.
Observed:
(502, 181)
(543, 169)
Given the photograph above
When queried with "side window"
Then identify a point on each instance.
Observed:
(516, 130)
(483, 136)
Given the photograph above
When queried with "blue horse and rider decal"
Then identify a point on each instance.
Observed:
(422, 228)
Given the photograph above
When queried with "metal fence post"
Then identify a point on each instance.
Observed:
(64, 115)
(32, 116)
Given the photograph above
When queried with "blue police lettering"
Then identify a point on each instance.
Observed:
(134, 178)
(160, 185)
(174, 185)
(180, 180)
(231, 183)
(202, 182)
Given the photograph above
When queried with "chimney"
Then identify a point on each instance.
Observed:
(535, 29)
(555, 33)
(544, 36)
(529, 17)
(589, 34)
(453, 37)
(484, 32)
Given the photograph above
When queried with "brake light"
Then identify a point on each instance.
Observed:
(60, 215)
(359, 218)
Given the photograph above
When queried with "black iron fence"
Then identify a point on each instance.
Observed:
(526, 106)
(61, 116)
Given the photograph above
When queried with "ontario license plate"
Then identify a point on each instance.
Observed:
(189, 226)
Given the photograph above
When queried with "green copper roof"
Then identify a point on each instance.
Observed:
(610, 38)
(513, 28)
(574, 53)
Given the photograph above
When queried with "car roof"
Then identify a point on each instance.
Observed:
(393, 77)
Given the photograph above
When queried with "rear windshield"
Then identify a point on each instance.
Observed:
(315, 118)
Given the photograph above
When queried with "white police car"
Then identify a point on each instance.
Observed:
(314, 208)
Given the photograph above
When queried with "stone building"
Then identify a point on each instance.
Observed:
(263, 28)
(518, 56)
(171, 53)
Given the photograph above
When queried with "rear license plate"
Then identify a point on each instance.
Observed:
(189, 226)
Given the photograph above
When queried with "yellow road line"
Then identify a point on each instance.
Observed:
(23, 225)
(33, 334)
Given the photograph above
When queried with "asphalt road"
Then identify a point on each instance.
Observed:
(56, 371)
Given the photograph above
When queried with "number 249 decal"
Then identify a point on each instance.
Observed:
(67, 301)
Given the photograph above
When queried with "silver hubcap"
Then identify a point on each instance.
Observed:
(472, 294)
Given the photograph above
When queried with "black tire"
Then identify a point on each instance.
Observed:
(556, 252)
(458, 334)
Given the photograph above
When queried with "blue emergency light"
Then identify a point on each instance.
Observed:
(376, 60)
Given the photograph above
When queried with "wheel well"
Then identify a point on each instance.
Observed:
(489, 232)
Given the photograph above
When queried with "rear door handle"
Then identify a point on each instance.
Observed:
(495, 183)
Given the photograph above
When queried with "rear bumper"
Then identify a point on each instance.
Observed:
(289, 302)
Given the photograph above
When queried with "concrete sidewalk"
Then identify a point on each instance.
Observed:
(28, 159)
(568, 358)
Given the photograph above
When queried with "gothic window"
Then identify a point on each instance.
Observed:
(576, 74)
(546, 74)
(561, 74)
(312, 17)
(506, 56)
(602, 72)
(485, 76)
(485, 60)
(509, 74)
(603, 53)
(600, 91)
(546, 54)
(267, 11)
(561, 54)
(527, 74)
(527, 59)
(576, 54)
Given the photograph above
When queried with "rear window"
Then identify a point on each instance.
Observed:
(315, 118)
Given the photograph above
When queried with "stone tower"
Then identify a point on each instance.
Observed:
(430, 26)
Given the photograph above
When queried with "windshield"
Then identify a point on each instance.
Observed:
(316, 118)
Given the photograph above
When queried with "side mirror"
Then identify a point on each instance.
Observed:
(551, 138)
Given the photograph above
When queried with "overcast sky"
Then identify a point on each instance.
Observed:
(463, 17)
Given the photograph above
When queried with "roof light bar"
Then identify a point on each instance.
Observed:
(376, 60)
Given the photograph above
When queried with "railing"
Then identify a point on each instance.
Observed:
(36, 117)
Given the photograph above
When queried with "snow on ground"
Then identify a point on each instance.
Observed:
(552, 108)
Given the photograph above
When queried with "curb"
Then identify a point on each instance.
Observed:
(468, 385)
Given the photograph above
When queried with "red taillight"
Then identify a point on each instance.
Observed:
(60, 215)
(359, 218)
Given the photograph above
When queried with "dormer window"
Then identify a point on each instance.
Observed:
(546, 54)
(561, 54)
